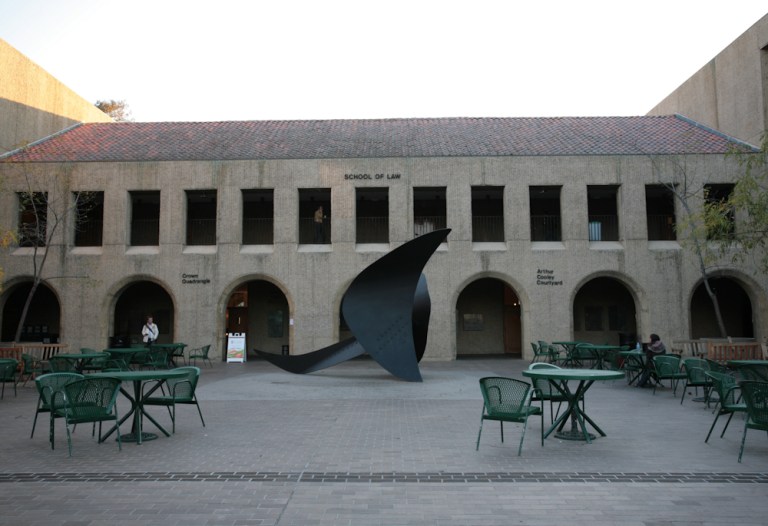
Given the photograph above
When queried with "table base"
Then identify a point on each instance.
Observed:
(573, 434)
(132, 437)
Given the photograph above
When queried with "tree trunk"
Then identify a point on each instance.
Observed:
(25, 310)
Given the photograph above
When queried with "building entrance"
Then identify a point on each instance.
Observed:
(134, 303)
(488, 319)
(259, 309)
(43, 316)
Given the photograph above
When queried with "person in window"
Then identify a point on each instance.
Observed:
(319, 225)
(655, 348)
(150, 331)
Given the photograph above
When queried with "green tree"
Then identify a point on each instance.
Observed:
(117, 109)
(740, 223)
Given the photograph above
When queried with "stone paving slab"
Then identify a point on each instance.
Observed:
(352, 445)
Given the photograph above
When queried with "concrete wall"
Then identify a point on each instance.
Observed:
(730, 93)
(33, 104)
(660, 276)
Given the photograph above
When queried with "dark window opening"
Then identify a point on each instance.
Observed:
(145, 218)
(33, 218)
(314, 216)
(429, 210)
(487, 213)
(89, 219)
(602, 209)
(201, 217)
(660, 213)
(258, 217)
(545, 213)
(372, 215)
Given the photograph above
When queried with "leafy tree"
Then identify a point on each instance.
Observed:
(117, 109)
(741, 221)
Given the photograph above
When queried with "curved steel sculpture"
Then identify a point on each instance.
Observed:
(387, 309)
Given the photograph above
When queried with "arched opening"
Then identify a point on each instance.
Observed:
(259, 309)
(43, 321)
(735, 307)
(604, 313)
(488, 320)
(134, 303)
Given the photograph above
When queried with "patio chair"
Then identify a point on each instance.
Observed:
(756, 398)
(8, 369)
(543, 391)
(156, 359)
(178, 352)
(667, 367)
(695, 369)
(508, 400)
(87, 400)
(200, 352)
(94, 364)
(180, 391)
(47, 385)
(730, 394)
(61, 365)
(31, 368)
(754, 373)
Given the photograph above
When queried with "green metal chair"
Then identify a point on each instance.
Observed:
(201, 353)
(508, 400)
(756, 398)
(754, 373)
(94, 364)
(32, 368)
(156, 359)
(667, 367)
(8, 369)
(47, 385)
(179, 391)
(730, 393)
(178, 352)
(695, 369)
(88, 400)
(543, 391)
(61, 365)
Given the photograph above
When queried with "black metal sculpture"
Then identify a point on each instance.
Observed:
(387, 309)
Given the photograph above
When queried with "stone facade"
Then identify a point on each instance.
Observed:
(730, 93)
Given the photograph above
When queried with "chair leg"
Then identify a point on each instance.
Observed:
(199, 412)
(726, 424)
(743, 438)
(501, 426)
(477, 446)
(713, 426)
(520, 447)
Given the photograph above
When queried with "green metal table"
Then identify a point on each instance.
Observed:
(634, 361)
(80, 360)
(560, 378)
(757, 369)
(137, 406)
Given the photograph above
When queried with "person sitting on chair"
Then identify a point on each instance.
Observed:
(656, 348)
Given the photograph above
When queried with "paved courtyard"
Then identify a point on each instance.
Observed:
(353, 445)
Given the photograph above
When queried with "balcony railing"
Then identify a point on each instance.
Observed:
(201, 232)
(661, 227)
(89, 233)
(145, 232)
(372, 230)
(258, 231)
(603, 228)
(487, 228)
(426, 224)
(545, 228)
(309, 234)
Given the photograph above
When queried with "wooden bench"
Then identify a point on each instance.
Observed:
(721, 352)
(11, 352)
(43, 351)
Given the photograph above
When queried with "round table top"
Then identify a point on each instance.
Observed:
(127, 350)
(632, 352)
(551, 373)
(150, 374)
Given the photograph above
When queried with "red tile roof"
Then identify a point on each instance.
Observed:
(331, 139)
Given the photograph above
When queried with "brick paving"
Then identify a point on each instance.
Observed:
(352, 445)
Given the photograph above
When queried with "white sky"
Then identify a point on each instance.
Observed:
(193, 60)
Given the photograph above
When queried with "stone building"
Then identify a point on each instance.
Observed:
(561, 230)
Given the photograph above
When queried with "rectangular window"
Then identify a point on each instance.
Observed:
(89, 218)
(314, 216)
(33, 218)
(201, 217)
(545, 213)
(429, 210)
(258, 217)
(487, 213)
(660, 213)
(372, 215)
(145, 218)
(718, 194)
(602, 209)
